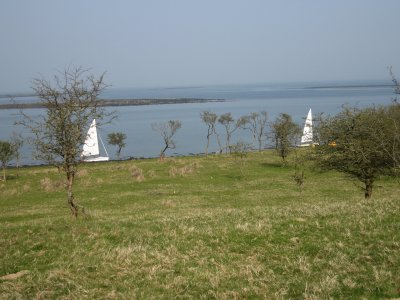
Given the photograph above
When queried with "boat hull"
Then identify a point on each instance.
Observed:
(100, 158)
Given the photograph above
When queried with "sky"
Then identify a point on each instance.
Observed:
(160, 43)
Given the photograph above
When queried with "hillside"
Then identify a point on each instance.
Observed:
(219, 227)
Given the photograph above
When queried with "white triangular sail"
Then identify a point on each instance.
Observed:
(91, 151)
(307, 138)
(91, 146)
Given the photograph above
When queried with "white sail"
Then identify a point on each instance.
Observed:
(91, 151)
(307, 138)
(91, 146)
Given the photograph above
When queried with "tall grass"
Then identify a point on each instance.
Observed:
(197, 228)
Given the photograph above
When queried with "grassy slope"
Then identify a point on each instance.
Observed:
(213, 232)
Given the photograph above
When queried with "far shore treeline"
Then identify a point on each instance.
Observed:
(118, 102)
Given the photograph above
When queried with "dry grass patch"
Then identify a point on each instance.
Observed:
(183, 171)
(49, 185)
(82, 173)
(136, 173)
(151, 174)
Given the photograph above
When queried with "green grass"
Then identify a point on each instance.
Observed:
(198, 228)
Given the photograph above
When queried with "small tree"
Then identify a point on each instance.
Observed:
(71, 103)
(227, 121)
(167, 131)
(17, 142)
(210, 120)
(357, 142)
(231, 126)
(117, 139)
(394, 119)
(395, 82)
(257, 124)
(392, 147)
(285, 134)
(6, 155)
(239, 152)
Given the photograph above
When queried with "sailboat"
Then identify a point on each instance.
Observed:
(91, 151)
(307, 138)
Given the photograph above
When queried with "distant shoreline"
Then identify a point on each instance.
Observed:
(349, 86)
(119, 102)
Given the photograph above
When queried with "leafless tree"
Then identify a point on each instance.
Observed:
(395, 82)
(71, 103)
(210, 120)
(257, 124)
(167, 131)
(231, 126)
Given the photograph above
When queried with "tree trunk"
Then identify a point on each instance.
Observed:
(119, 153)
(219, 142)
(368, 189)
(70, 194)
(4, 173)
(208, 144)
(162, 154)
(228, 142)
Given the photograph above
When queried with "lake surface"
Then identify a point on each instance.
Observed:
(142, 141)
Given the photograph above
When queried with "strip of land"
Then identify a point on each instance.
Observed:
(119, 102)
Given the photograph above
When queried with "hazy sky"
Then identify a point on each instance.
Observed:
(153, 43)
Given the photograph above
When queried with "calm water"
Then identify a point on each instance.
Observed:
(142, 141)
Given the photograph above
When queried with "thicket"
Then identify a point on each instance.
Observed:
(363, 143)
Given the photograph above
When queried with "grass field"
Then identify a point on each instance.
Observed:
(218, 227)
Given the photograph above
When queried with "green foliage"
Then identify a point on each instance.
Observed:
(360, 142)
(7, 152)
(117, 139)
(208, 234)
(284, 134)
(17, 141)
(391, 144)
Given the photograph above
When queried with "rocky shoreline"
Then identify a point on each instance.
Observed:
(119, 102)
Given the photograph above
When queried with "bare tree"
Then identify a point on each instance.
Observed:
(230, 127)
(239, 151)
(257, 124)
(117, 139)
(210, 120)
(395, 82)
(167, 131)
(71, 102)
